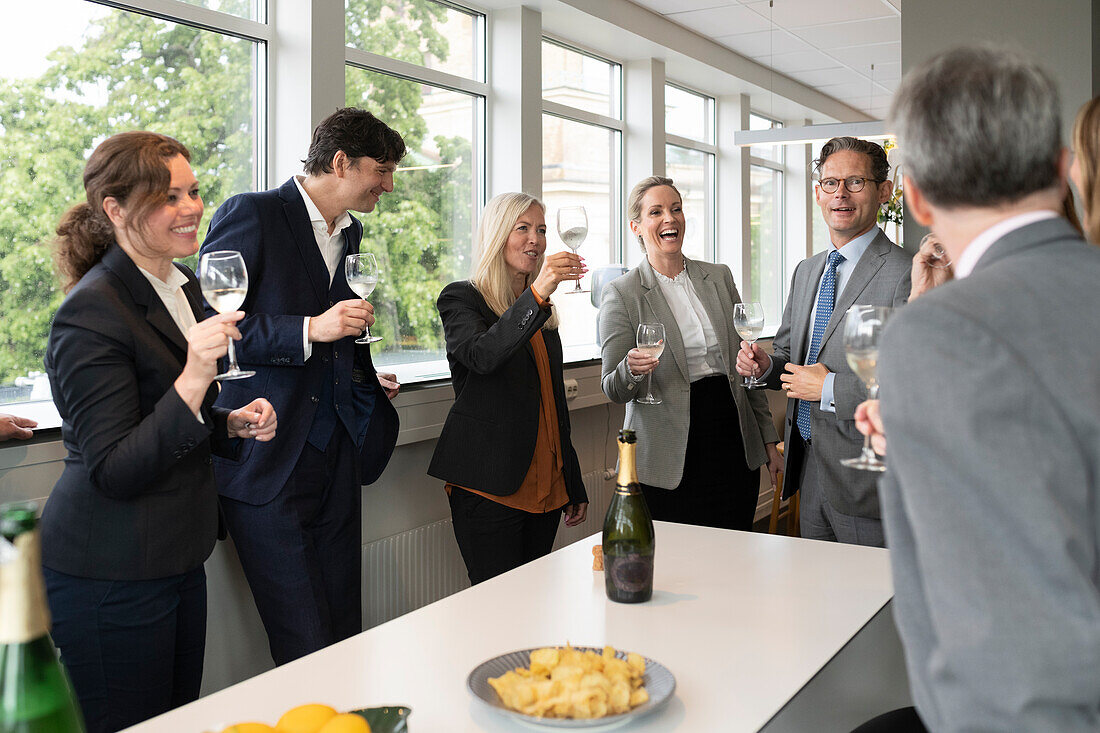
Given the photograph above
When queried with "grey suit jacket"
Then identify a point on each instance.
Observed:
(991, 502)
(881, 277)
(662, 429)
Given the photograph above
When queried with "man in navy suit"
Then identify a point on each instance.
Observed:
(293, 505)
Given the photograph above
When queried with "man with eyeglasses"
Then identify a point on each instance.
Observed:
(862, 266)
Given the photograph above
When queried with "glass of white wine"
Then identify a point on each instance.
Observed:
(940, 259)
(863, 327)
(748, 319)
(573, 228)
(361, 272)
(223, 278)
(651, 341)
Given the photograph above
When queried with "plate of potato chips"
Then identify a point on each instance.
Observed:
(572, 687)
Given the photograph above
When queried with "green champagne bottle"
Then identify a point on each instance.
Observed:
(628, 540)
(35, 694)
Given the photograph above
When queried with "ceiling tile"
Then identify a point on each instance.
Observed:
(860, 58)
(796, 13)
(851, 33)
(818, 77)
(764, 44)
(789, 63)
(888, 71)
(721, 21)
(665, 7)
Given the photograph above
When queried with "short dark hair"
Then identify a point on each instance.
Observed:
(358, 133)
(880, 166)
(979, 127)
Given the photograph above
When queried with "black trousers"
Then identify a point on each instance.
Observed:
(494, 538)
(133, 648)
(301, 552)
(718, 489)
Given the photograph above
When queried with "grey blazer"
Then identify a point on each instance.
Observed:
(991, 501)
(881, 277)
(662, 429)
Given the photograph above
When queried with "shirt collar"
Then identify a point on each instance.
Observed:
(981, 243)
(853, 250)
(680, 278)
(176, 280)
(316, 218)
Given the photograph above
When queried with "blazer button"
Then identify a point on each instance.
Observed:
(314, 399)
(324, 359)
(210, 461)
(336, 380)
(330, 304)
(336, 355)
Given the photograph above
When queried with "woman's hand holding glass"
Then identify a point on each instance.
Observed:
(556, 268)
(207, 342)
(255, 420)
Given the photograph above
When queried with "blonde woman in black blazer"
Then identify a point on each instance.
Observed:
(505, 500)
(135, 513)
(700, 450)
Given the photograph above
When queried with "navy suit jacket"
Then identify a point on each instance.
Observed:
(288, 279)
(136, 500)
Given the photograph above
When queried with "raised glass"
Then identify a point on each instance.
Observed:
(748, 319)
(361, 272)
(651, 341)
(573, 228)
(863, 328)
(223, 278)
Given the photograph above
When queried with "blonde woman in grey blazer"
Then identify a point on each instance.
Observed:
(701, 448)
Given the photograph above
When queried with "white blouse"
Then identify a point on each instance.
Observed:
(704, 357)
(175, 300)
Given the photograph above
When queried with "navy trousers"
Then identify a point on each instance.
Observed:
(301, 552)
(133, 648)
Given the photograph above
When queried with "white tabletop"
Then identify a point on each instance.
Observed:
(743, 620)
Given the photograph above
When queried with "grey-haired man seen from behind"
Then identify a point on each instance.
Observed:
(991, 401)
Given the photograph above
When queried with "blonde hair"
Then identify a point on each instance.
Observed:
(491, 276)
(1086, 146)
(634, 200)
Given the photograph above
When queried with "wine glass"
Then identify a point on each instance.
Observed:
(748, 319)
(940, 259)
(863, 326)
(223, 278)
(651, 341)
(573, 228)
(361, 272)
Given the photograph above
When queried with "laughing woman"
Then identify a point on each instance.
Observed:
(700, 450)
(505, 450)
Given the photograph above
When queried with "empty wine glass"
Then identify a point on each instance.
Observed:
(939, 259)
(748, 319)
(361, 272)
(651, 341)
(223, 278)
(573, 228)
(863, 327)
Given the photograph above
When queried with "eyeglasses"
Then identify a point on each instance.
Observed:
(854, 184)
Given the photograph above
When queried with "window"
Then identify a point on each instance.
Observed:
(422, 232)
(581, 166)
(689, 162)
(767, 279)
(101, 70)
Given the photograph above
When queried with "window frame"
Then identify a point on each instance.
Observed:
(709, 148)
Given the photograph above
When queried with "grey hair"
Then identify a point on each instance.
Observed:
(880, 166)
(978, 127)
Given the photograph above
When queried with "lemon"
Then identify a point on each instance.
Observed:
(346, 723)
(249, 728)
(304, 719)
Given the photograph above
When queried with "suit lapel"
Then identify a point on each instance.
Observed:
(803, 307)
(117, 261)
(707, 290)
(674, 342)
(866, 269)
(298, 221)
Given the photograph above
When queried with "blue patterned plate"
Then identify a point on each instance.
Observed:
(658, 681)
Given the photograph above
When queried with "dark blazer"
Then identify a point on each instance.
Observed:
(137, 499)
(288, 279)
(489, 438)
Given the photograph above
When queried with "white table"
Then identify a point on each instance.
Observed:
(743, 620)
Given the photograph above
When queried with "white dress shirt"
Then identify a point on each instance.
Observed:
(704, 357)
(989, 237)
(172, 295)
(330, 245)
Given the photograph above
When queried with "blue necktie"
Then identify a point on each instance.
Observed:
(826, 298)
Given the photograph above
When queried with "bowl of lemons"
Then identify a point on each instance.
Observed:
(318, 718)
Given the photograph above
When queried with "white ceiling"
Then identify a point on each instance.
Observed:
(849, 50)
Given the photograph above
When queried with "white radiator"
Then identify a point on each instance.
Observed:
(415, 568)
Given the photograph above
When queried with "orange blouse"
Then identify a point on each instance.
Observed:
(543, 488)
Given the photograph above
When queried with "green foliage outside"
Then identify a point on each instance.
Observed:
(136, 72)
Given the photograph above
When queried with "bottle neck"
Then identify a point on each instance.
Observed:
(627, 482)
(24, 615)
